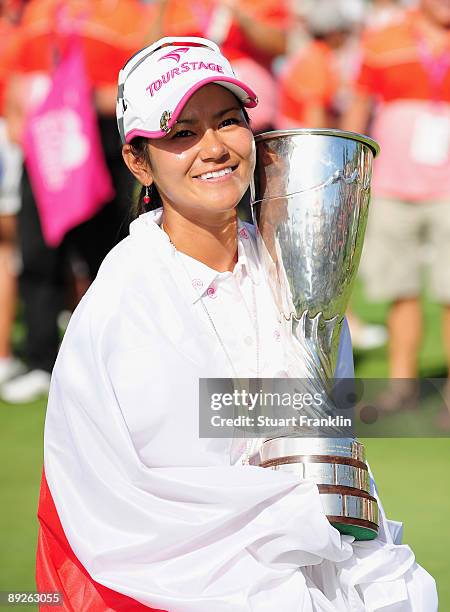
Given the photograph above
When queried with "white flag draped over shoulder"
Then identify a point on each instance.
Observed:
(144, 509)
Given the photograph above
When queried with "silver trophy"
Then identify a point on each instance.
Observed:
(310, 204)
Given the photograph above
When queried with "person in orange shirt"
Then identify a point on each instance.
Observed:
(314, 83)
(307, 87)
(109, 30)
(10, 170)
(406, 71)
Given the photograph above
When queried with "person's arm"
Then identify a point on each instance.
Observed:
(270, 39)
(315, 115)
(16, 95)
(105, 100)
(356, 119)
(155, 15)
(365, 86)
(14, 108)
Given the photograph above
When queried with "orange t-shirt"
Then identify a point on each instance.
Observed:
(110, 31)
(394, 66)
(193, 18)
(307, 79)
(411, 83)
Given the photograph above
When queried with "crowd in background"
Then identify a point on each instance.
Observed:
(374, 66)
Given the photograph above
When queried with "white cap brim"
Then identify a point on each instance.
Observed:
(243, 93)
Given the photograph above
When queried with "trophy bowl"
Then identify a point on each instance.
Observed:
(310, 199)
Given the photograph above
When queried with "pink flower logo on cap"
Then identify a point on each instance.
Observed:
(175, 54)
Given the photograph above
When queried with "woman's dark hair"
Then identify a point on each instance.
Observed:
(139, 149)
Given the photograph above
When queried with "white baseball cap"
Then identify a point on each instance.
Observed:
(155, 84)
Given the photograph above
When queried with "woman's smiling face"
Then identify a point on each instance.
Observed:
(206, 162)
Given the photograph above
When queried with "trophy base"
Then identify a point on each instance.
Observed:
(338, 468)
(360, 530)
(350, 511)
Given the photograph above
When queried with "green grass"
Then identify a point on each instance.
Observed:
(21, 466)
(412, 479)
(412, 474)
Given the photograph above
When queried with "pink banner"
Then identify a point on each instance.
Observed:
(63, 152)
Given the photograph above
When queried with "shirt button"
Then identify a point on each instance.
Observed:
(248, 340)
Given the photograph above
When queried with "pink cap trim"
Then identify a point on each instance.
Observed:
(145, 133)
(251, 103)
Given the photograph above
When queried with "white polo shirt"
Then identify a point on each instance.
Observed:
(236, 303)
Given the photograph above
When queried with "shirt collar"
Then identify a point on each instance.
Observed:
(201, 275)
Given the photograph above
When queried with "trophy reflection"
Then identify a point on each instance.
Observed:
(310, 204)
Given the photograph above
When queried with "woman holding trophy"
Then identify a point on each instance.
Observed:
(137, 512)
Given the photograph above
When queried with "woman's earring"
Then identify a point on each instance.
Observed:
(147, 195)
